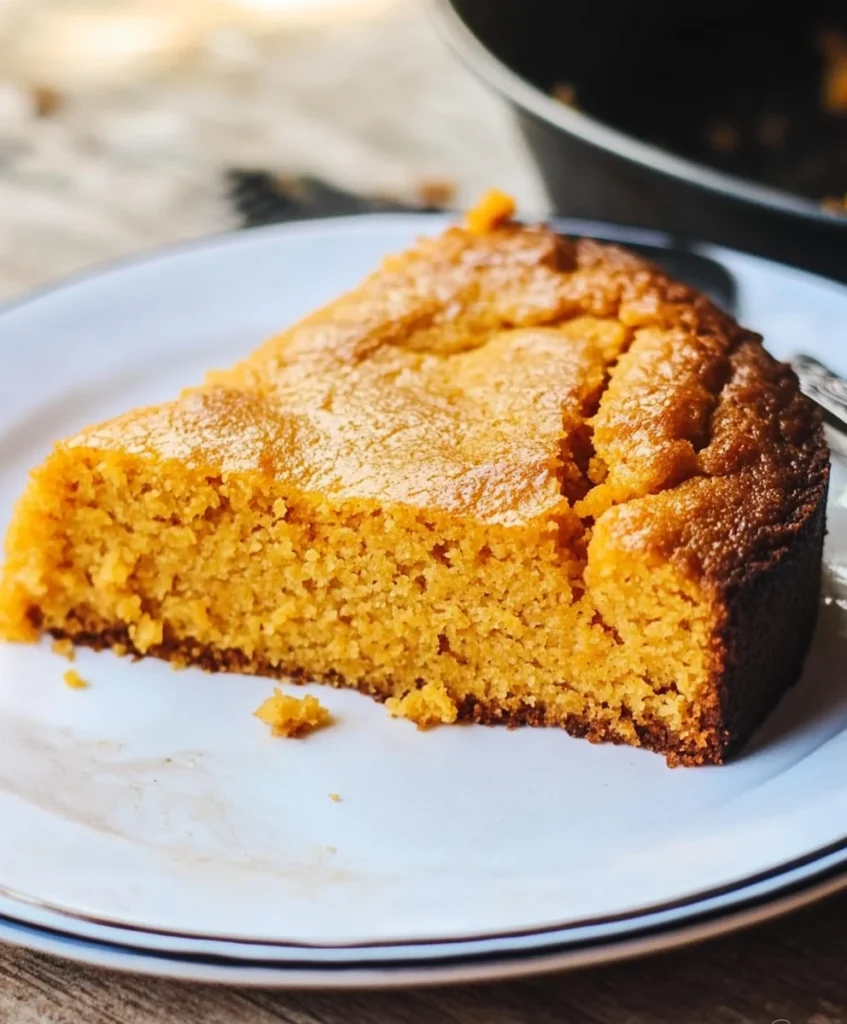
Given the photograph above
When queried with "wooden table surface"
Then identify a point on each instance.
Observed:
(793, 969)
(111, 166)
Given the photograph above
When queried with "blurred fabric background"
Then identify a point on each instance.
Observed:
(119, 118)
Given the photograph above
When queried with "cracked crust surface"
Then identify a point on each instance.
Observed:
(486, 375)
(599, 503)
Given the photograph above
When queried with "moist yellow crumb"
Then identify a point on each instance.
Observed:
(75, 680)
(65, 648)
(429, 706)
(292, 716)
(336, 799)
(493, 209)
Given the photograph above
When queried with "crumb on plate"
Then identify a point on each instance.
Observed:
(431, 705)
(336, 799)
(292, 716)
(65, 648)
(75, 680)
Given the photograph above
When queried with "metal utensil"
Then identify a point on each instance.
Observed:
(828, 391)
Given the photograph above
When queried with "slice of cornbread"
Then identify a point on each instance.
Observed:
(510, 478)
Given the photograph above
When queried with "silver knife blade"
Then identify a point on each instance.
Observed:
(828, 391)
(823, 386)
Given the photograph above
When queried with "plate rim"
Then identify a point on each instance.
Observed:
(509, 966)
(839, 847)
(425, 951)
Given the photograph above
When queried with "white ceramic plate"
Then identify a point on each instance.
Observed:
(154, 806)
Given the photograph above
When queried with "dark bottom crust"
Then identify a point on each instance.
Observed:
(654, 737)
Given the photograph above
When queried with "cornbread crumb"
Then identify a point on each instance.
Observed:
(431, 705)
(74, 680)
(292, 716)
(565, 93)
(65, 648)
(492, 210)
(834, 84)
(336, 799)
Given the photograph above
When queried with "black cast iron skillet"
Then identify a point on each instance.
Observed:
(658, 71)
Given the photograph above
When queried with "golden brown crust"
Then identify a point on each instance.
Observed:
(386, 393)
(384, 396)
(759, 471)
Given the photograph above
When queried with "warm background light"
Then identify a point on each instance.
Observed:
(120, 118)
(72, 44)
